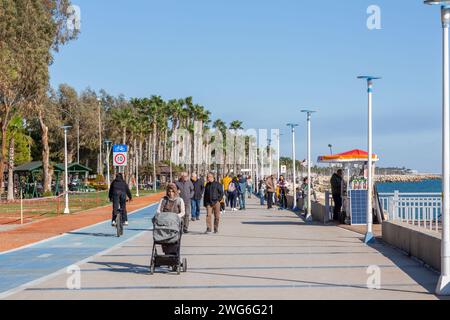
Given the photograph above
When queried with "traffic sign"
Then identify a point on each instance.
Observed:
(120, 155)
(120, 148)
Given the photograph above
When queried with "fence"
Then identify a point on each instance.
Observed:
(419, 209)
(29, 210)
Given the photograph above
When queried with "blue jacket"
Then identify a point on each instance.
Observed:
(242, 185)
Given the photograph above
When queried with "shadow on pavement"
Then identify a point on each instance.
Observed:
(93, 234)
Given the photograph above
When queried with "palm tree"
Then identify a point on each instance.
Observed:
(222, 127)
(236, 125)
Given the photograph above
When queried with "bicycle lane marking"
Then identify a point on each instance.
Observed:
(24, 265)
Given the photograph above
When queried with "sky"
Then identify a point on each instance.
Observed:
(262, 61)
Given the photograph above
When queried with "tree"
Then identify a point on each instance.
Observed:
(236, 126)
(30, 30)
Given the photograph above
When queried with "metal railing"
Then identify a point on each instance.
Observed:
(418, 209)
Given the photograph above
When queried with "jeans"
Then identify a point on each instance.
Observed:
(337, 206)
(195, 208)
(261, 197)
(269, 200)
(250, 191)
(232, 199)
(120, 202)
(283, 200)
(242, 200)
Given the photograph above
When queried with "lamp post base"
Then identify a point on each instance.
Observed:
(309, 218)
(66, 211)
(443, 287)
(369, 238)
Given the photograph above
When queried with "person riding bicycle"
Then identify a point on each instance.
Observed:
(118, 193)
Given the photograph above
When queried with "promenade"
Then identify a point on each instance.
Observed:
(258, 254)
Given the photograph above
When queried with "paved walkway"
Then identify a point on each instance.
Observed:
(258, 254)
(19, 236)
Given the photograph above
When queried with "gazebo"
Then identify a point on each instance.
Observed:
(32, 170)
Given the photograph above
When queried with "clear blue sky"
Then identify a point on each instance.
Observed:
(260, 61)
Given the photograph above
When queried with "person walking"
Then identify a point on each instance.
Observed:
(304, 189)
(213, 195)
(262, 191)
(336, 191)
(118, 193)
(171, 203)
(186, 192)
(242, 180)
(249, 186)
(226, 182)
(199, 188)
(270, 187)
(282, 185)
(233, 191)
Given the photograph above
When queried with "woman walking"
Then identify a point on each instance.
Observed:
(233, 190)
(283, 193)
(171, 203)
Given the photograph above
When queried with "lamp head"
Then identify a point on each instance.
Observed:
(438, 2)
(309, 112)
(66, 127)
(369, 78)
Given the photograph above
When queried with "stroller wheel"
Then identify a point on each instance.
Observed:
(178, 269)
(184, 265)
(152, 268)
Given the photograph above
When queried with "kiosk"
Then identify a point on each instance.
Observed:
(354, 188)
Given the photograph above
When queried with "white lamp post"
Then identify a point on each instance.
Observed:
(66, 174)
(269, 143)
(108, 155)
(308, 114)
(294, 175)
(369, 234)
(443, 287)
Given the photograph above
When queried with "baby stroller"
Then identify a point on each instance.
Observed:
(167, 232)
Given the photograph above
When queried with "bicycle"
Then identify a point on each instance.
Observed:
(119, 223)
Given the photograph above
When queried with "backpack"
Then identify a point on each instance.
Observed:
(231, 187)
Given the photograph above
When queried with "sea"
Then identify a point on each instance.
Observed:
(433, 186)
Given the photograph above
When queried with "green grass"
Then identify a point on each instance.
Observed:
(48, 207)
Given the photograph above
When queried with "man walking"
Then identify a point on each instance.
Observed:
(336, 190)
(199, 188)
(213, 194)
(186, 191)
(270, 187)
(242, 191)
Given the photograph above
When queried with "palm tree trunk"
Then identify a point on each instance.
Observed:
(47, 183)
(154, 155)
(11, 170)
(3, 156)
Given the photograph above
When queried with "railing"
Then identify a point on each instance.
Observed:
(419, 209)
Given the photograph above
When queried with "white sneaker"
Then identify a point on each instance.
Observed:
(113, 224)
(126, 223)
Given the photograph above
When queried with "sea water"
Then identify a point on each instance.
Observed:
(427, 186)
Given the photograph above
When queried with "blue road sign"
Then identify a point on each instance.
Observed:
(120, 148)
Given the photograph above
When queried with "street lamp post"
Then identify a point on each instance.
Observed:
(66, 174)
(443, 287)
(269, 142)
(100, 163)
(369, 234)
(108, 155)
(294, 175)
(308, 114)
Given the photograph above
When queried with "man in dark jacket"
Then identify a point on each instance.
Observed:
(199, 188)
(213, 195)
(336, 190)
(118, 193)
(186, 192)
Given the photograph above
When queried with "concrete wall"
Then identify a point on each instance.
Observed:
(417, 242)
(319, 211)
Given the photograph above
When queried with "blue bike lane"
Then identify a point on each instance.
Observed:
(31, 263)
